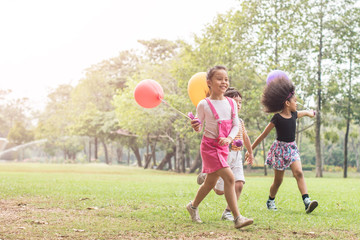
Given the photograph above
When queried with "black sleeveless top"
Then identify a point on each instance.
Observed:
(285, 127)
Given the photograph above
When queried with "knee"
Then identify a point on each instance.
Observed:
(229, 180)
(239, 186)
(298, 174)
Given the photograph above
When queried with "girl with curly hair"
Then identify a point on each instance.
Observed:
(279, 98)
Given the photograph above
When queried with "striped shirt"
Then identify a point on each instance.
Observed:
(240, 134)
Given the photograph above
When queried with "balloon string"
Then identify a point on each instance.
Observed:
(175, 109)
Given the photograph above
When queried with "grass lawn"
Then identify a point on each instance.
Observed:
(96, 201)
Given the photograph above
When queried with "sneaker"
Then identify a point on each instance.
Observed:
(310, 205)
(242, 221)
(270, 204)
(194, 213)
(227, 215)
(201, 178)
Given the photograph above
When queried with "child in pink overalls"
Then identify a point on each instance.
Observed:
(222, 125)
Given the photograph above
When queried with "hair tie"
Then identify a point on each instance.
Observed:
(289, 96)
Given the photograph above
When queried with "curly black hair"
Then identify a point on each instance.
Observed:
(276, 93)
(232, 93)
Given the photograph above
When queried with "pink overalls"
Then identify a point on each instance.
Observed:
(213, 155)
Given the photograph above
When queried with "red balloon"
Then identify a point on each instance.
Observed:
(148, 93)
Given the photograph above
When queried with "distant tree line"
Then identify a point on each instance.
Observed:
(315, 42)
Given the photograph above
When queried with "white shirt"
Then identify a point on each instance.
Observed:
(223, 109)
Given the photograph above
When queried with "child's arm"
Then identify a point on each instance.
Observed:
(309, 113)
(263, 135)
(247, 143)
(196, 123)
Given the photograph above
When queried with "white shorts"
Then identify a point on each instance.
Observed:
(236, 165)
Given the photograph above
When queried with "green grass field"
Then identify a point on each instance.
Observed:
(96, 201)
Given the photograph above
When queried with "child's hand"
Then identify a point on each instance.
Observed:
(247, 155)
(312, 113)
(225, 141)
(195, 124)
(249, 158)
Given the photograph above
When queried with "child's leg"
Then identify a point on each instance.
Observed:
(205, 188)
(219, 187)
(229, 190)
(238, 188)
(278, 178)
(296, 169)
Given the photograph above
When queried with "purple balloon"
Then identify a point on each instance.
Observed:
(276, 74)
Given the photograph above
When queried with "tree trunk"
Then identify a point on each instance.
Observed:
(128, 157)
(169, 162)
(147, 156)
(96, 148)
(147, 143)
(136, 151)
(319, 98)
(165, 160)
(346, 144)
(178, 153)
(147, 160)
(318, 144)
(106, 152)
(187, 157)
(89, 150)
(348, 120)
(197, 163)
(180, 161)
(183, 154)
(119, 153)
(153, 151)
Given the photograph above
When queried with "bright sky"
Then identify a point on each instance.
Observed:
(45, 43)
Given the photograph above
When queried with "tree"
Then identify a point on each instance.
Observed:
(18, 134)
(347, 53)
(55, 121)
(13, 111)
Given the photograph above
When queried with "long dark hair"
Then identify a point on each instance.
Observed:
(276, 93)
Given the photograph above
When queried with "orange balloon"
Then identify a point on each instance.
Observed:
(148, 93)
(198, 88)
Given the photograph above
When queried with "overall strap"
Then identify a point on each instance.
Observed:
(212, 109)
(232, 107)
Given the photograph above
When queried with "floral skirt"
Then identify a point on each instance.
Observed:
(282, 154)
